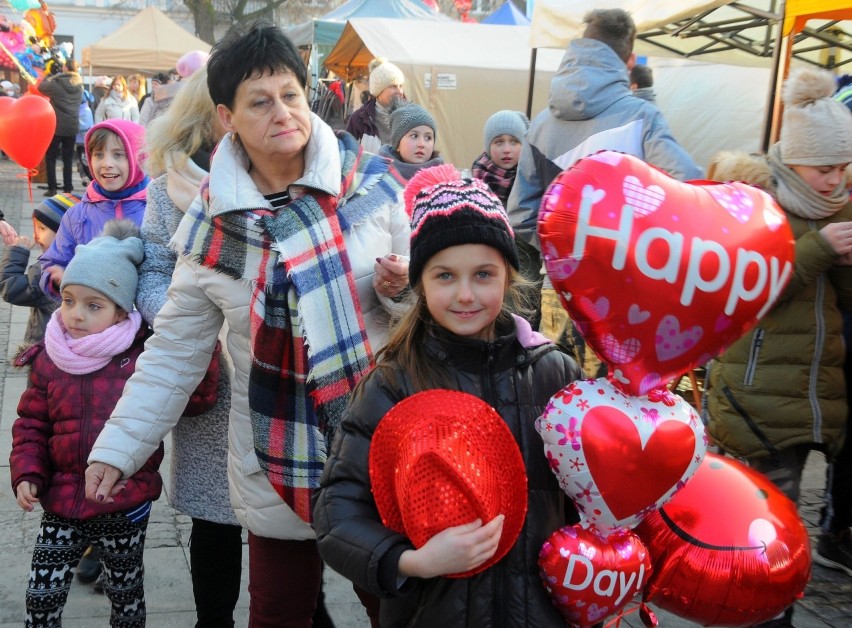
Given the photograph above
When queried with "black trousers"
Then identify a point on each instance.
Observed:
(215, 556)
(64, 146)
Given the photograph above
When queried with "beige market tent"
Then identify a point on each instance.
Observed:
(462, 73)
(148, 43)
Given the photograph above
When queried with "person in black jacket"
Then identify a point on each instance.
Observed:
(460, 335)
(65, 91)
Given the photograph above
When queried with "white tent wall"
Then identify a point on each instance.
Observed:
(711, 107)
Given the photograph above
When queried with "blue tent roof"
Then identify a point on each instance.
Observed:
(507, 14)
(329, 27)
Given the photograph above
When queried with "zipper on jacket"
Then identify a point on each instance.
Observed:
(819, 344)
(83, 443)
(753, 355)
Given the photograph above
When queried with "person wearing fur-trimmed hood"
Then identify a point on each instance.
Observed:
(779, 391)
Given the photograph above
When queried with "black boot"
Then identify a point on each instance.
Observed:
(90, 565)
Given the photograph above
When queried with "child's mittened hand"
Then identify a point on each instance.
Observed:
(25, 242)
(26, 495)
(839, 236)
(455, 550)
(7, 232)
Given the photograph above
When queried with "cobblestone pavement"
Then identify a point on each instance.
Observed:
(827, 601)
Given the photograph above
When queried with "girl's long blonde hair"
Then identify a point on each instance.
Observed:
(407, 345)
(188, 125)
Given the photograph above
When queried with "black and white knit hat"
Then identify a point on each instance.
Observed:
(109, 263)
(447, 210)
(406, 117)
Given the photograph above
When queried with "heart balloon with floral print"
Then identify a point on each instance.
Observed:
(619, 457)
(658, 275)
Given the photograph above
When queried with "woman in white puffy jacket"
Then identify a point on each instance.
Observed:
(299, 241)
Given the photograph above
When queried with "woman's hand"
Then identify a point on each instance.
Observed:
(391, 276)
(839, 236)
(7, 232)
(103, 482)
(26, 495)
(455, 550)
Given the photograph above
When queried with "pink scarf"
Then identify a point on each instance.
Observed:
(90, 353)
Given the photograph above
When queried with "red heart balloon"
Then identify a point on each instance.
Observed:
(589, 577)
(729, 549)
(26, 129)
(617, 456)
(658, 275)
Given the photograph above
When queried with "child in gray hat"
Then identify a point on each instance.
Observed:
(497, 166)
(412, 143)
(77, 375)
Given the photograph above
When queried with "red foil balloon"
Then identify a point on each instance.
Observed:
(729, 549)
(616, 456)
(658, 275)
(26, 129)
(589, 577)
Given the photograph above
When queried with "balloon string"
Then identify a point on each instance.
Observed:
(631, 608)
(29, 174)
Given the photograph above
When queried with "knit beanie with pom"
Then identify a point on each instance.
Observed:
(190, 62)
(109, 263)
(406, 117)
(382, 74)
(816, 129)
(506, 122)
(447, 210)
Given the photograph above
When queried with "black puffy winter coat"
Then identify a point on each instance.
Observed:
(517, 375)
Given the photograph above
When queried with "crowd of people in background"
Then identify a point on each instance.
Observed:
(270, 287)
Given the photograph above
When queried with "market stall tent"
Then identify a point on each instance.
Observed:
(326, 30)
(148, 43)
(453, 69)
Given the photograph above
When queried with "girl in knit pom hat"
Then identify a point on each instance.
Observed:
(461, 335)
(498, 165)
(113, 150)
(76, 377)
(412, 141)
(779, 391)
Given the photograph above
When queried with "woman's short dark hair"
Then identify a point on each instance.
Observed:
(241, 54)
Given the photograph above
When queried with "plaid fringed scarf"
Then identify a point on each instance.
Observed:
(498, 179)
(308, 339)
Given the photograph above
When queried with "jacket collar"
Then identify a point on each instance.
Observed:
(231, 186)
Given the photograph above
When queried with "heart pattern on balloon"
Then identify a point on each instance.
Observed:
(616, 456)
(590, 578)
(668, 257)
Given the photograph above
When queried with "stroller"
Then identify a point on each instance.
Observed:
(87, 121)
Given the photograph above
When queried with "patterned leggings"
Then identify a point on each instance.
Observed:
(59, 547)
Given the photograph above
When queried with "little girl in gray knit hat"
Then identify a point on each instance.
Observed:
(76, 377)
(412, 143)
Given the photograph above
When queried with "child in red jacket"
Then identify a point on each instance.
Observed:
(76, 377)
